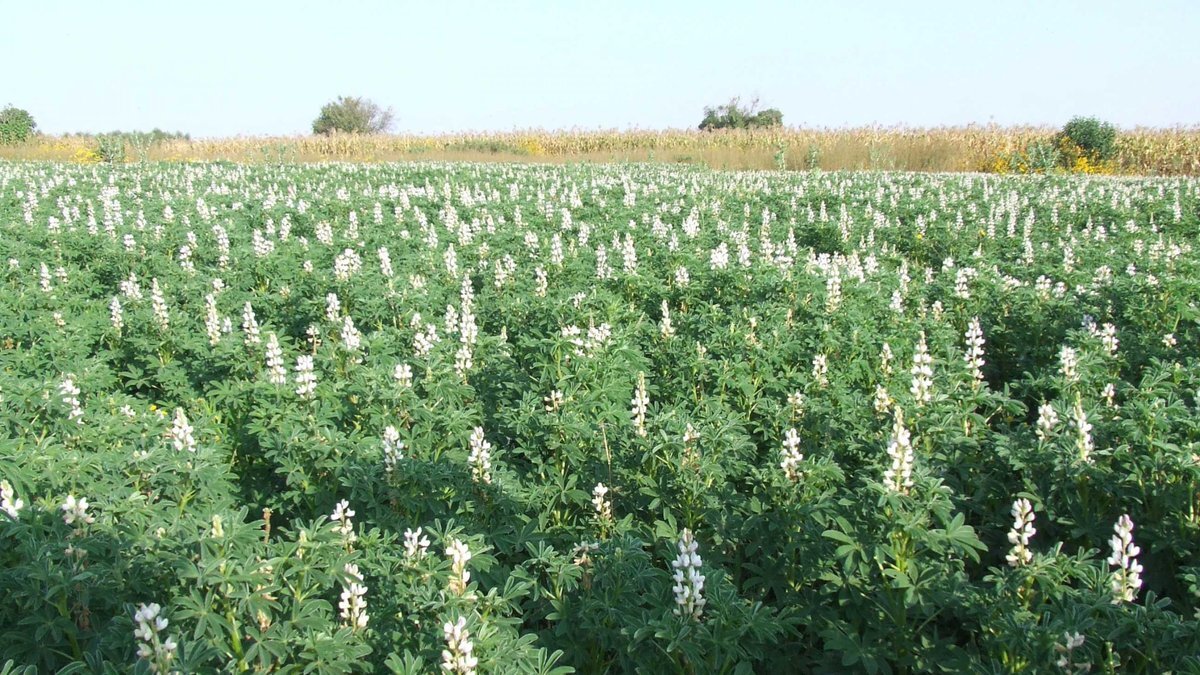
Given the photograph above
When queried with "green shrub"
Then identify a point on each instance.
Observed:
(16, 126)
(111, 147)
(1037, 157)
(734, 115)
(1094, 138)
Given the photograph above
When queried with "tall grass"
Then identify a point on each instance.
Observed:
(1172, 151)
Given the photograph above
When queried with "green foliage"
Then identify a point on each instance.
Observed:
(781, 163)
(111, 147)
(1096, 139)
(352, 115)
(16, 125)
(812, 160)
(479, 336)
(1038, 157)
(734, 115)
(1042, 157)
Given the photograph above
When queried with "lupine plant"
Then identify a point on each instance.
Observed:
(499, 419)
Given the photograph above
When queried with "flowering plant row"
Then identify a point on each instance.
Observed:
(475, 418)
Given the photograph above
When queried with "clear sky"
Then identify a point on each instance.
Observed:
(221, 68)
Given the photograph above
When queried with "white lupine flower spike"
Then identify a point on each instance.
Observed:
(689, 582)
(1020, 534)
(1127, 575)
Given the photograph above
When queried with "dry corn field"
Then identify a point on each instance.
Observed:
(1164, 152)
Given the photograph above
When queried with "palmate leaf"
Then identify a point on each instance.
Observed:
(959, 537)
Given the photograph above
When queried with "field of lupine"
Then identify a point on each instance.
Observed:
(500, 419)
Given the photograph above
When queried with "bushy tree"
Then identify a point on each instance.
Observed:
(16, 125)
(734, 115)
(1094, 138)
(352, 115)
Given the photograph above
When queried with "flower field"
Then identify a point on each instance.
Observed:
(542, 419)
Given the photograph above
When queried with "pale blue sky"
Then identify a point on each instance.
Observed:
(219, 68)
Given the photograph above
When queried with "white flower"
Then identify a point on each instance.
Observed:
(1066, 659)
(262, 246)
(898, 477)
(640, 402)
(450, 258)
(1083, 429)
(9, 504)
(403, 375)
(791, 455)
(159, 304)
(664, 326)
(480, 456)
(75, 510)
(1047, 420)
(882, 401)
(212, 319)
(922, 373)
(276, 373)
(601, 503)
(458, 656)
(416, 544)
(1068, 362)
(603, 270)
(393, 448)
(820, 370)
(885, 359)
(116, 314)
(556, 245)
(346, 264)
(351, 338)
(833, 291)
(1020, 534)
(424, 342)
(974, 352)
(463, 361)
(250, 325)
(459, 555)
(353, 604)
(180, 433)
(796, 402)
(70, 397)
(152, 646)
(629, 259)
(333, 307)
(1110, 394)
(385, 262)
(306, 379)
(718, 258)
(1127, 577)
(341, 517)
(689, 582)
(1108, 338)
(962, 279)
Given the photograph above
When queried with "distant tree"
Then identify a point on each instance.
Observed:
(771, 117)
(1094, 138)
(352, 115)
(16, 125)
(734, 115)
